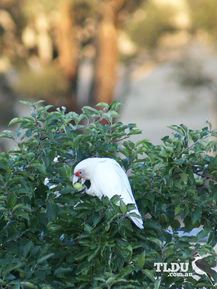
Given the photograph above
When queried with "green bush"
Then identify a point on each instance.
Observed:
(54, 237)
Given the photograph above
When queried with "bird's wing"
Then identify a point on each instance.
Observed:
(109, 180)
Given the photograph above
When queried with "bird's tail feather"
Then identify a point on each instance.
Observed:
(137, 220)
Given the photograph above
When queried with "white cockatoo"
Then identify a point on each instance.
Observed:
(105, 177)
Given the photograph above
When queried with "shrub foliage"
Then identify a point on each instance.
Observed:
(54, 237)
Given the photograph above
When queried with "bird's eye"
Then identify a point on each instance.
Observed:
(81, 173)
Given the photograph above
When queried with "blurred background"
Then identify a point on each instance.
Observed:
(158, 57)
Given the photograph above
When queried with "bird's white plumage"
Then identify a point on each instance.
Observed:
(108, 179)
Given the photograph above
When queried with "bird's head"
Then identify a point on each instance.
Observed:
(79, 180)
(82, 173)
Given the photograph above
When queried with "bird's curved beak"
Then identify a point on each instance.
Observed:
(76, 179)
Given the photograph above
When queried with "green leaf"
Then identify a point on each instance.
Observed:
(21, 206)
(78, 139)
(184, 177)
(149, 274)
(26, 102)
(67, 171)
(114, 114)
(93, 255)
(123, 207)
(156, 241)
(178, 210)
(115, 199)
(115, 105)
(126, 271)
(88, 228)
(211, 237)
(27, 248)
(30, 285)
(41, 168)
(44, 258)
(103, 105)
(7, 134)
(202, 234)
(176, 128)
(52, 210)
(89, 108)
(23, 215)
(157, 284)
(11, 200)
(141, 260)
(135, 131)
(15, 121)
(62, 270)
(196, 216)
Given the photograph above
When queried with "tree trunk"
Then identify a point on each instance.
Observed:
(106, 53)
(68, 50)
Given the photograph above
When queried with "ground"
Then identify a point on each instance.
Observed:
(155, 99)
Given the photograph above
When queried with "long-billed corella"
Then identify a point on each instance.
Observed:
(105, 177)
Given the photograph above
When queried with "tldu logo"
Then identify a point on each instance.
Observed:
(174, 270)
